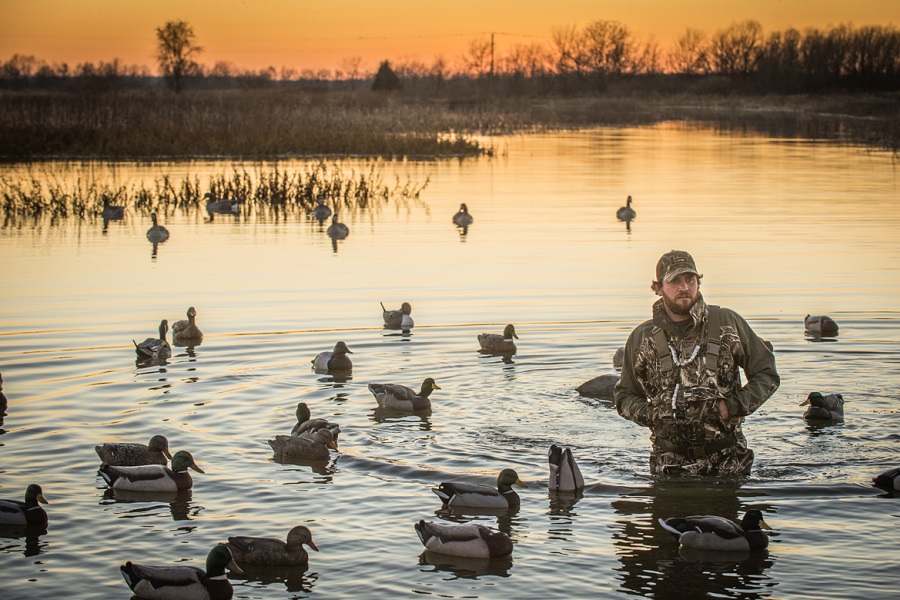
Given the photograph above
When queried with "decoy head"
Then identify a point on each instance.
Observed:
(814, 399)
(509, 332)
(220, 558)
(341, 348)
(303, 413)
(299, 535)
(191, 312)
(405, 308)
(159, 443)
(507, 478)
(182, 460)
(34, 493)
(753, 519)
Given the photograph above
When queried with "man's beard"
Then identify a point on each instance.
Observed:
(677, 309)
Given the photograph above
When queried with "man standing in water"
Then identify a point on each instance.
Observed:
(680, 377)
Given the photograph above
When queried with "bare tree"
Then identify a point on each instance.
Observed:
(690, 54)
(609, 46)
(352, 67)
(175, 51)
(478, 58)
(734, 50)
(570, 54)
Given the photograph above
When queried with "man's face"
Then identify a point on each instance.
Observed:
(680, 294)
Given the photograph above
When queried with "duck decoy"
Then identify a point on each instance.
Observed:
(186, 330)
(111, 212)
(155, 348)
(398, 319)
(626, 213)
(462, 218)
(476, 495)
(29, 513)
(337, 230)
(153, 478)
(272, 551)
(495, 343)
(469, 540)
(156, 452)
(619, 358)
(601, 386)
(889, 481)
(321, 210)
(3, 401)
(157, 233)
(222, 207)
(710, 532)
(308, 428)
(336, 360)
(183, 582)
(565, 476)
(293, 447)
(400, 397)
(824, 407)
(820, 325)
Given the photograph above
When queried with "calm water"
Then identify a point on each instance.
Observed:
(779, 227)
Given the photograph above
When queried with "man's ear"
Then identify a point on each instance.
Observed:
(654, 285)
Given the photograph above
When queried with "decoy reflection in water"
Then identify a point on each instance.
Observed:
(272, 551)
(321, 210)
(292, 447)
(820, 325)
(152, 478)
(626, 213)
(25, 513)
(185, 331)
(710, 532)
(308, 428)
(224, 206)
(334, 361)
(111, 212)
(183, 582)
(469, 540)
(495, 343)
(889, 481)
(337, 230)
(565, 476)
(156, 452)
(828, 407)
(157, 233)
(398, 319)
(155, 348)
(476, 495)
(400, 397)
(462, 218)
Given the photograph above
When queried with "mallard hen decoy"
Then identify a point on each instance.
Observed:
(619, 358)
(462, 218)
(400, 397)
(157, 233)
(470, 540)
(221, 207)
(29, 513)
(321, 210)
(626, 213)
(398, 319)
(308, 428)
(889, 480)
(565, 476)
(495, 343)
(183, 582)
(336, 360)
(601, 386)
(153, 478)
(824, 408)
(820, 325)
(710, 532)
(186, 330)
(293, 447)
(476, 495)
(111, 212)
(156, 452)
(156, 348)
(272, 551)
(337, 230)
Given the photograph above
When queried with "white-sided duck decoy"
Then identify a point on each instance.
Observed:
(496, 343)
(29, 513)
(565, 476)
(462, 218)
(157, 233)
(272, 551)
(335, 360)
(155, 348)
(156, 452)
(828, 407)
(469, 540)
(292, 447)
(337, 230)
(308, 428)
(222, 207)
(111, 212)
(400, 397)
(711, 532)
(398, 319)
(186, 331)
(153, 478)
(183, 582)
(889, 481)
(321, 210)
(476, 495)
(626, 213)
(820, 325)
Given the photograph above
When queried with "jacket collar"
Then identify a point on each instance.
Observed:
(662, 320)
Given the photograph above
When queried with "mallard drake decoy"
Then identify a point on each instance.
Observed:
(156, 348)
(476, 495)
(400, 397)
(470, 540)
(710, 532)
(186, 330)
(272, 551)
(308, 428)
(820, 325)
(462, 218)
(223, 206)
(824, 407)
(321, 210)
(565, 476)
(398, 319)
(626, 213)
(601, 386)
(157, 233)
(29, 512)
(337, 230)
(153, 478)
(135, 455)
(336, 360)
(495, 343)
(183, 582)
(889, 480)
(111, 212)
(301, 448)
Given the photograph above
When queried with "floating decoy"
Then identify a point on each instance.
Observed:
(111, 212)
(336, 360)
(337, 230)
(308, 428)
(619, 358)
(824, 407)
(565, 476)
(222, 207)
(476, 495)
(3, 401)
(601, 386)
(495, 343)
(153, 478)
(393, 395)
(469, 540)
(29, 513)
(626, 213)
(820, 325)
(183, 582)
(710, 532)
(398, 319)
(301, 448)
(889, 480)
(135, 455)
(321, 211)
(155, 348)
(272, 551)
(186, 330)
(157, 233)
(462, 218)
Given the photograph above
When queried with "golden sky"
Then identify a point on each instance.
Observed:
(317, 34)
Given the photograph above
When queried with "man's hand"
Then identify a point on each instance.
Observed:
(723, 410)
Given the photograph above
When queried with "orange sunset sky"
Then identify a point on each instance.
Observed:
(323, 34)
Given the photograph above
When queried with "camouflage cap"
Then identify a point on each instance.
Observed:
(674, 263)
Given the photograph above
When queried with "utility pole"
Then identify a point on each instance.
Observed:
(492, 54)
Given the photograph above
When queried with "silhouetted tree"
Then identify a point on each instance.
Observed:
(175, 52)
(385, 79)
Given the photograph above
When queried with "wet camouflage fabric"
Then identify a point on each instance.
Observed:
(644, 392)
